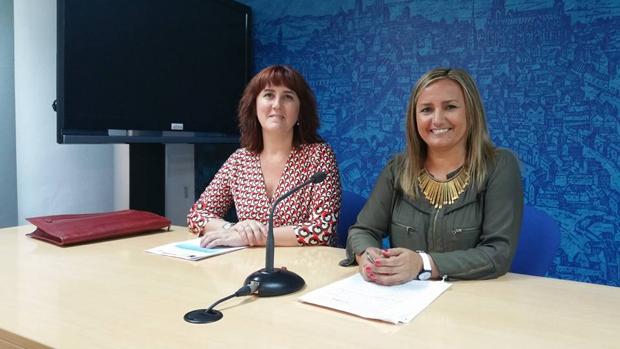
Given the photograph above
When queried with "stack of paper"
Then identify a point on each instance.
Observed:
(191, 250)
(395, 304)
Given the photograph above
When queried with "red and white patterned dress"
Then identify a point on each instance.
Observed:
(312, 211)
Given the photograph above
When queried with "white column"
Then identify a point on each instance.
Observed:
(179, 181)
(8, 178)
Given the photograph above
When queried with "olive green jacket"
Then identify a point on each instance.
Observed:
(473, 238)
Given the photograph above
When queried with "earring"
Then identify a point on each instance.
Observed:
(297, 123)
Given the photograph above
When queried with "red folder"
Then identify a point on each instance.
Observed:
(71, 229)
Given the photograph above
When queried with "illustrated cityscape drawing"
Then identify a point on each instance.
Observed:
(548, 72)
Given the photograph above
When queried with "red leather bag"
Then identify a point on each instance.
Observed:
(68, 229)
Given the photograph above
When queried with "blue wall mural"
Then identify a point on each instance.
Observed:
(548, 72)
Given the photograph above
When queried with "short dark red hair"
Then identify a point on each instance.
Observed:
(278, 75)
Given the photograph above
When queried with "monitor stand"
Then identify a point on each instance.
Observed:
(147, 177)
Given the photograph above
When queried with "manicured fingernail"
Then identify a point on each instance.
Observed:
(378, 263)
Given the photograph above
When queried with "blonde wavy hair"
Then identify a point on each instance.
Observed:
(480, 150)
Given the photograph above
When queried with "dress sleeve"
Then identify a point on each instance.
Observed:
(215, 201)
(320, 229)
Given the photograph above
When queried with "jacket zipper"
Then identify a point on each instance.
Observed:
(409, 229)
(444, 277)
(460, 230)
(434, 226)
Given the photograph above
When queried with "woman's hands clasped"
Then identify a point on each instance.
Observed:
(244, 233)
(389, 267)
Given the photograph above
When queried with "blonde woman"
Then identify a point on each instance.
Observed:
(451, 204)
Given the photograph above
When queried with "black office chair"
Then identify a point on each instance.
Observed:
(538, 243)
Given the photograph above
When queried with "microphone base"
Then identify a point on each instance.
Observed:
(277, 282)
(202, 316)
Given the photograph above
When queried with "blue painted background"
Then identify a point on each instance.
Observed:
(548, 72)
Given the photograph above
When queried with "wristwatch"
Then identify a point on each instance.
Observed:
(227, 225)
(426, 272)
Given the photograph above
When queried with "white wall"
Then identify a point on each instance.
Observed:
(65, 178)
(55, 178)
(8, 179)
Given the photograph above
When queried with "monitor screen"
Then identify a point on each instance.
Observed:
(160, 71)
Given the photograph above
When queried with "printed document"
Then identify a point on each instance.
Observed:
(190, 250)
(395, 304)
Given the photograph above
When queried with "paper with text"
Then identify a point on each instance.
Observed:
(395, 304)
(190, 250)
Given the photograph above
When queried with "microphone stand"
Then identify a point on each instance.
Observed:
(279, 281)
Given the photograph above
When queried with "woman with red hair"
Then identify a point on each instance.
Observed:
(280, 148)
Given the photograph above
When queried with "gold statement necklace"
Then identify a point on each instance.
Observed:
(441, 193)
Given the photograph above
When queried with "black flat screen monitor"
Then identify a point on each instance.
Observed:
(151, 71)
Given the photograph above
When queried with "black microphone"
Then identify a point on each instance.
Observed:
(278, 281)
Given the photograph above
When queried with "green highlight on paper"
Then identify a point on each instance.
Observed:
(194, 247)
(190, 246)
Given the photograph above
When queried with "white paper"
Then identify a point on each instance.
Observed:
(395, 304)
(190, 250)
